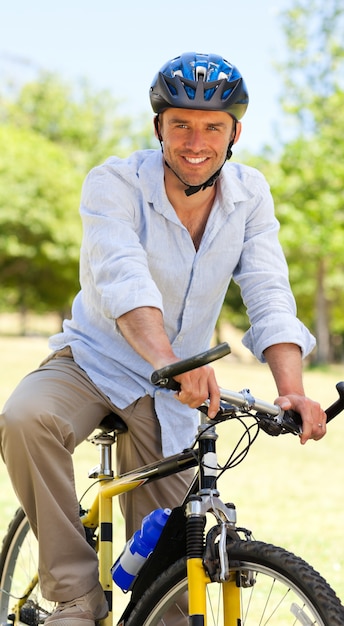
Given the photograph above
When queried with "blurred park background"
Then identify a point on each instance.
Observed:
(52, 131)
(54, 128)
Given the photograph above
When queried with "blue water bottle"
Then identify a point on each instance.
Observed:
(138, 548)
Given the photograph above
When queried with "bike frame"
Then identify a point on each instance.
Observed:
(100, 515)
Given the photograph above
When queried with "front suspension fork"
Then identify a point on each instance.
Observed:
(198, 578)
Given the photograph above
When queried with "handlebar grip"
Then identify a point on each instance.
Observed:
(338, 405)
(162, 377)
(291, 417)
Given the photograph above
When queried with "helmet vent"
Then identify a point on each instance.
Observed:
(201, 73)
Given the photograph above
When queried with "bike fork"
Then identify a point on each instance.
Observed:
(198, 579)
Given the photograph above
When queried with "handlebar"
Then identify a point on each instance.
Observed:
(163, 377)
(271, 417)
(338, 405)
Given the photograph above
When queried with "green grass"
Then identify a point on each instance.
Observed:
(285, 493)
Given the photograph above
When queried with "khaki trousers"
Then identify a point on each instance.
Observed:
(51, 411)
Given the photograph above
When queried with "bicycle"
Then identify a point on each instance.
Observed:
(194, 564)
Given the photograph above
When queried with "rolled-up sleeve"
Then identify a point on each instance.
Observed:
(111, 248)
(262, 275)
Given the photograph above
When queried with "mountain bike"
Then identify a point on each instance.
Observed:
(204, 570)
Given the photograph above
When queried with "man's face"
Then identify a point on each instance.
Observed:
(195, 142)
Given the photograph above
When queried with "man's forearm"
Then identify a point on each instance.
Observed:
(285, 362)
(143, 328)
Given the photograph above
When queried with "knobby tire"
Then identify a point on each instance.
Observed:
(287, 591)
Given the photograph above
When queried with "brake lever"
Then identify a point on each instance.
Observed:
(223, 413)
(170, 383)
(291, 422)
(287, 422)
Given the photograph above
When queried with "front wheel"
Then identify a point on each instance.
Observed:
(277, 589)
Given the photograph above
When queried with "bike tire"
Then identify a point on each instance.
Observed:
(18, 567)
(287, 591)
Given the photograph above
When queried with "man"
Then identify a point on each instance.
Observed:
(164, 232)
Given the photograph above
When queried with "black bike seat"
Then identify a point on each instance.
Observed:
(113, 422)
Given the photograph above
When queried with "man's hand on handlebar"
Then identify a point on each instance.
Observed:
(313, 417)
(197, 386)
(195, 383)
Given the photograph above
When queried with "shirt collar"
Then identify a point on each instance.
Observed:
(231, 188)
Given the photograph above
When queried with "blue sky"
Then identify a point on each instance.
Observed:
(120, 45)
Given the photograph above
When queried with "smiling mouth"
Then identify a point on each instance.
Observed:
(195, 160)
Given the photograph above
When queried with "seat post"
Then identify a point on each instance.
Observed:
(104, 442)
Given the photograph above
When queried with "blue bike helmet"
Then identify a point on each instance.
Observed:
(199, 81)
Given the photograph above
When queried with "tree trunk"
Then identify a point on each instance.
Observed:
(321, 318)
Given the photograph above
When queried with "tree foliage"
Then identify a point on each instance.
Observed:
(85, 123)
(313, 69)
(51, 134)
(39, 225)
(308, 192)
(306, 177)
(308, 187)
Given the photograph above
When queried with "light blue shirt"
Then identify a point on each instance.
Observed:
(135, 252)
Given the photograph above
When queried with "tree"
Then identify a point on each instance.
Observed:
(87, 124)
(307, 189)
(51, 134)
(313, 70)
(39, 224)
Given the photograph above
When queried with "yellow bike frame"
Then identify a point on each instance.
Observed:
(100, 514)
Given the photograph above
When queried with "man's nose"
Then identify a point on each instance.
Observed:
(195, 140)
